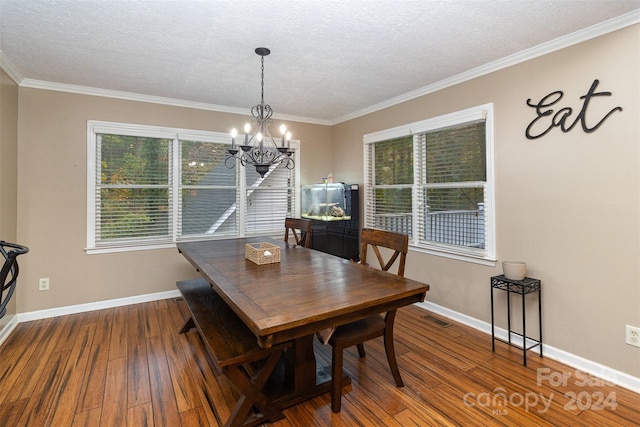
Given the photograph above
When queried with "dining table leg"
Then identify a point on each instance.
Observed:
(305, 364)
(302, 374)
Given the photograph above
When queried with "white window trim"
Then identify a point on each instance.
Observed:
(485, 112)
(95, 127)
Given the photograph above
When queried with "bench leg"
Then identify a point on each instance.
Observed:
(188, 325)
(251, 387)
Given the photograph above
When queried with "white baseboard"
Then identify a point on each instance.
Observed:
(8, 328)
(601, 371)
(80, 308)
(611, 375)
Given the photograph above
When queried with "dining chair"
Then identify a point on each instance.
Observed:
(9, 272)
(356, 333)
(298, 225)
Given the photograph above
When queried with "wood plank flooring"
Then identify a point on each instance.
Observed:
(128, 366)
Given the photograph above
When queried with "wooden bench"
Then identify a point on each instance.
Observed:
(234, 349)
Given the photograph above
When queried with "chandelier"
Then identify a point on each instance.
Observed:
(260, 149)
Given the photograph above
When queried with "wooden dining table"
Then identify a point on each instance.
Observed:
(289, 301)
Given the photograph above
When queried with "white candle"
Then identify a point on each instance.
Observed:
(247, 129)
(283, 131)
(234, 133)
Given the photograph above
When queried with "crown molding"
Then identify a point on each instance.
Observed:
(574, 38)
(130, 96)
(11, 70)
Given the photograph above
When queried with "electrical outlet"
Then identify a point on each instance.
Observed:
(633, 336)
(43, 284)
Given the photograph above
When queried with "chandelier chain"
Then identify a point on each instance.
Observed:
(262, 80)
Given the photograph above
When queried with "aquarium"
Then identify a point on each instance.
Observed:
(327, 202)
(333, 209)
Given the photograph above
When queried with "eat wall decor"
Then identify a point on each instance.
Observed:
(547, 117)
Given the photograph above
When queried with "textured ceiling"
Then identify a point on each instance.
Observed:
(329, 59)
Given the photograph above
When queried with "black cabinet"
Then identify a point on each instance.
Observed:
(334, 209)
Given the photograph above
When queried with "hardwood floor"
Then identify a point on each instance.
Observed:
(128, 366)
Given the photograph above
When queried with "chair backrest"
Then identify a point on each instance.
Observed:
(295, 225)
(9, 272)
(399, 243)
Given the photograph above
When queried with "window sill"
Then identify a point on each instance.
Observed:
(486, 261)
(168, 245)
(114, 249)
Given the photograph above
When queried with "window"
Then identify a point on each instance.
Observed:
(433, 180)
(152, 186)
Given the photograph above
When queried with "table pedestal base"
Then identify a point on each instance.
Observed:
(296, 379)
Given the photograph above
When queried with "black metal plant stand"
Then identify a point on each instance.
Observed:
(520, 287)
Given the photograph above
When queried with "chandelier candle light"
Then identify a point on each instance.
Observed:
(260, 148)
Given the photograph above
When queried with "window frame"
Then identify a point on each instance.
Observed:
(480, 112)
(175, 135)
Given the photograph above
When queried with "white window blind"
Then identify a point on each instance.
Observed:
(133, 189)
(451, 187)
(150, 186)
(208, 191)
(269, 199)
(433, 180)
(389, 184)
